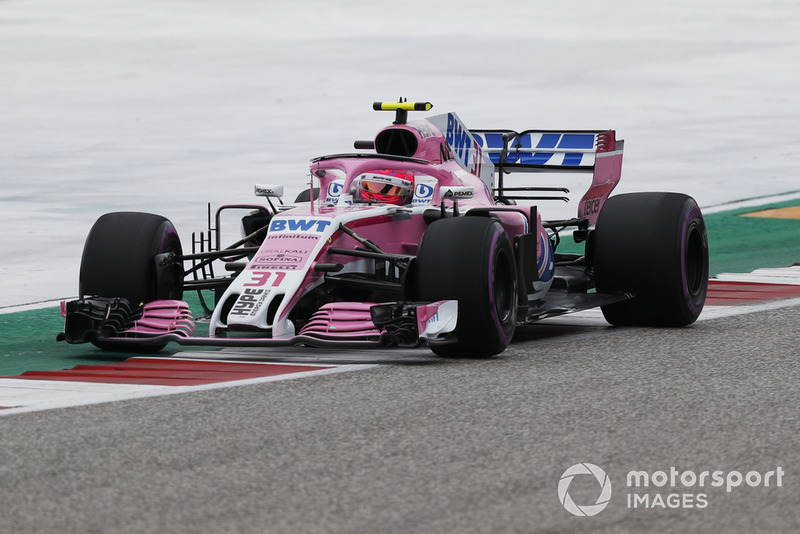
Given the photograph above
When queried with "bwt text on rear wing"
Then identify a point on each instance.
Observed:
(552, 151)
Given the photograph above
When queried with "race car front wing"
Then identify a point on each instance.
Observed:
(111, 321)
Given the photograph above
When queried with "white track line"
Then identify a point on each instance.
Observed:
(20, 395)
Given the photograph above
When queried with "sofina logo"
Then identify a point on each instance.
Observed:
(582, 470)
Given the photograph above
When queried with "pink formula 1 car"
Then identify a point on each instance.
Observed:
(413, 240)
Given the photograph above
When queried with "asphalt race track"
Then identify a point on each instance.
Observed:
(438, 445)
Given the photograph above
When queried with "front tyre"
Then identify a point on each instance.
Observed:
(654, 246)
(119, 258)
(135, 256)
(470, 259)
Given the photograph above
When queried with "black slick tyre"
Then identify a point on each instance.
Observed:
(470, 259)
(120, 260)
(654, 246)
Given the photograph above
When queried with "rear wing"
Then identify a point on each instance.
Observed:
(591, 151)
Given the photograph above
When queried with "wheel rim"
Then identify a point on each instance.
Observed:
(503, 288)
(694, 263)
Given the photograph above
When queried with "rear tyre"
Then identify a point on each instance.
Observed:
(654, 246)
(470, 259)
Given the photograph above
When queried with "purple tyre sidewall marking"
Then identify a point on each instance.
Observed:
(684, 236)
(169, 234)
(504, 338)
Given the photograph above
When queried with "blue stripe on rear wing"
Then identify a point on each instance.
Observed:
(597, 152)
(540, 150)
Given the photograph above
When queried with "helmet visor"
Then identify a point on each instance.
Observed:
(394, 188)
(379, 188)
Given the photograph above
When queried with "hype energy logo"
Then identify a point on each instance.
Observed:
(672, 488)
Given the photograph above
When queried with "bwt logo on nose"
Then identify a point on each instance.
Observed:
(299, 225)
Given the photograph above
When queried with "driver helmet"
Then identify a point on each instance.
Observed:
(386, 186)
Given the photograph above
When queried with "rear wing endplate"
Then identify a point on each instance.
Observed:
(591, 151)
